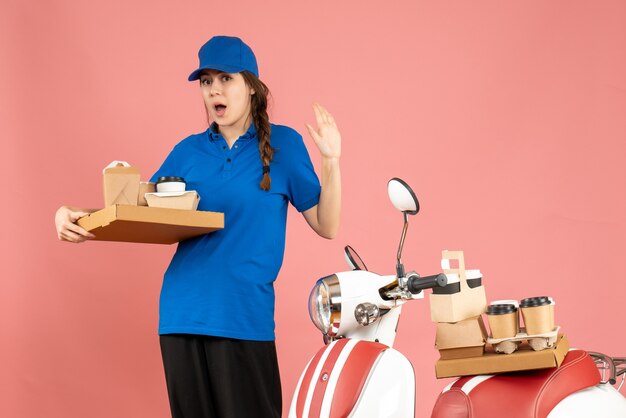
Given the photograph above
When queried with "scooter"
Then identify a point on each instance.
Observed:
(359, 374)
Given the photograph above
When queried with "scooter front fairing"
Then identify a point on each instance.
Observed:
(355, 378)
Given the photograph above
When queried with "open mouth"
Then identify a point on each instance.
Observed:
(220, 109)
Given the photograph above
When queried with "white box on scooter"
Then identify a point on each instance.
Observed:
(467, 302)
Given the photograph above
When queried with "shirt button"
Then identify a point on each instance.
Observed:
(228, 160)
(236, 146)
(224, 147)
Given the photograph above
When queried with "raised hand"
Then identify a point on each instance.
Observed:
(327, 136)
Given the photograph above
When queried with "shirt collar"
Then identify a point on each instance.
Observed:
(249, 134)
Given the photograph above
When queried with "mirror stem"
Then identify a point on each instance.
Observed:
(399, 266)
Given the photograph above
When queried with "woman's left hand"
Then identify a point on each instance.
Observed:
(327, 137)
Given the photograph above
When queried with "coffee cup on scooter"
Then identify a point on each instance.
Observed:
(538, 314)
(509, 302)
(505, 302)
(503, 320)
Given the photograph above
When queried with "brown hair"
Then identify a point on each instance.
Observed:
(262, 123)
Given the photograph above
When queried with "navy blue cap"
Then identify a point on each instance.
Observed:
(225, 53)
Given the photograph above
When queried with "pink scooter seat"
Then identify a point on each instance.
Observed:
(531, 394)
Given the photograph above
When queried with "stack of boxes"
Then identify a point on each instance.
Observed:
(134, 212)
(457, 308)
(122, 187)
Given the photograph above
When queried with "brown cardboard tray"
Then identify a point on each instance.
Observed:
(490, 363)
(150, 225)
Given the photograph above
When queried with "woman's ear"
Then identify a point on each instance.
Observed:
(252, 92)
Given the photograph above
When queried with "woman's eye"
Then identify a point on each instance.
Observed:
(206, 81)
(226, 78)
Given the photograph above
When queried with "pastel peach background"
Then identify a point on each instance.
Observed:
(507, 118)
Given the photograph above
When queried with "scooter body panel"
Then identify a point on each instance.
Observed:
(390, 389)
(352, 378)
(363, 286)
(601, 401)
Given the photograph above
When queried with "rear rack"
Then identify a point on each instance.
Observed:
(613, 366)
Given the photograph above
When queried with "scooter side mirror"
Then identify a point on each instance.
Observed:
(353, 259)
(402, 197)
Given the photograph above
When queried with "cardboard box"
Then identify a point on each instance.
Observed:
(461, 339)
(175, 200)
(468, 302)
(145, 187)
(121, 184)
(150, 225)
(490, 363)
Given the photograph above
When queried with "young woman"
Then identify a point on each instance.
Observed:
(216, 321)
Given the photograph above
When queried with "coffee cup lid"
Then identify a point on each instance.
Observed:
(505, 302)
(167, 179)
(501, 309)
(535, 301)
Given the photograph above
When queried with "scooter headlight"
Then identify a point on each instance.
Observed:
(325, 305)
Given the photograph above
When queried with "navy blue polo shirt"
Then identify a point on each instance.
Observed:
(221, 284)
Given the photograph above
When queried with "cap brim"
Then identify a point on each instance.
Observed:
(219, 67)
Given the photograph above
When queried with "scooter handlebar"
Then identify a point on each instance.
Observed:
(416, 284)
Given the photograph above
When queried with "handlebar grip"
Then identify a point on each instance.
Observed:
(416, 284)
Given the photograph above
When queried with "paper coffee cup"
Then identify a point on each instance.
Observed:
(503, 320)
(552, 303)
(167, 184)
(509, 302)
(538, 314)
